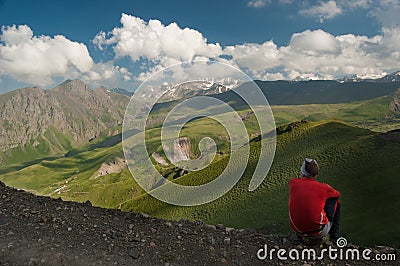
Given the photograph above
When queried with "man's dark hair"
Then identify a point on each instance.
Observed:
(312, 168)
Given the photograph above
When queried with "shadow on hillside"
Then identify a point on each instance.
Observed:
(17, 167)
(105, 143)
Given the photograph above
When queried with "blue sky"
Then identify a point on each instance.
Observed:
(107, 42)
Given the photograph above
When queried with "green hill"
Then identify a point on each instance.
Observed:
(363, 165)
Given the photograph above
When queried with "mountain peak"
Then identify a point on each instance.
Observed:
(69, 82)
(301, 78)
(75, 87)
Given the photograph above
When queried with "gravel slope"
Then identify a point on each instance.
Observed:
(43, 231)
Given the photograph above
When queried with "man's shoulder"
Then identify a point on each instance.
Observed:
(326, 186)
(308, 182)
(299, 180)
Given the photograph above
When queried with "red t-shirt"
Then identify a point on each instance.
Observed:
(306, 204)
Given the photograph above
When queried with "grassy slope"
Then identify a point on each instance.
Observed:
(52, 142)
(350, 159)
(76, 171)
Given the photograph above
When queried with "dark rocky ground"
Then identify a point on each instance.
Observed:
(43, 231)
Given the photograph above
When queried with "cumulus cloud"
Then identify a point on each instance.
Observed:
(156, 45)
(106, 74)
(320, 55)
(38, 59)
(258, 3)
(314, 42)
(354, 55)
(154, 41)
(153, 46)
(256, 58)
(323, 11)
(316, 54)
(35, 60)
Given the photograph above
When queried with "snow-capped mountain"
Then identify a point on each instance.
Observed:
(392, 77)
(196, 88)
(384, 77)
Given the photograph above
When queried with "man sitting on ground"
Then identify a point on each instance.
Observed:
(314, 207)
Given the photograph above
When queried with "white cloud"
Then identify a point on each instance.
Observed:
(385, 11)
(316, 54)
(38, 59)
(35, 60)
(155, 41)
(156, 44)
(387, 14)
(320, 55)
(323, 11)
(257, 58)
(355, 55)
(314, 42)
(258, 3)
(355, 3)
(391, 39)
(106, 74)
(15, 35)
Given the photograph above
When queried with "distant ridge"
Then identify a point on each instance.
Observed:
(122, 91)
(316, 91)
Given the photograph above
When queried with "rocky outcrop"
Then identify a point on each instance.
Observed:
(115, 166)
(395, 104)
(182, 149)
(157, 157)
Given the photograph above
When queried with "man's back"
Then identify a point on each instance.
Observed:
(306, 204)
